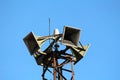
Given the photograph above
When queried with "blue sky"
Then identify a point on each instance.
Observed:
(99, 21)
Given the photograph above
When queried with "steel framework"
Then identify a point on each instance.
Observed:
(58, 67)
(51, 60)
(54, 58)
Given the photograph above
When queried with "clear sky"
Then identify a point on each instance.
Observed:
(99, 21)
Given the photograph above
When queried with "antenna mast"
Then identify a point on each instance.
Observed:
(49, 28)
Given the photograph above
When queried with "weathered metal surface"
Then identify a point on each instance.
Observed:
(49, 58)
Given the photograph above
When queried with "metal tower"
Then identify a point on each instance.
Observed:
(53, 56)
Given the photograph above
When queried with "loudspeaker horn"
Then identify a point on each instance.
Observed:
(70, 36)
(34, 43)
(79, 52)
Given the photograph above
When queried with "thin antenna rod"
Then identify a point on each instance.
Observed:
(49, 28)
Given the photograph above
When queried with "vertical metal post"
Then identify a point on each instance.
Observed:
(54, 64)
(61, 73)
(42, 75)
(72, 71)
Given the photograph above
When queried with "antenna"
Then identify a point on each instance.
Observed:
(49, 28)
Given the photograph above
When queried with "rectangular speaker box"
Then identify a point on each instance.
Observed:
(31, 43)
(70, 36)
